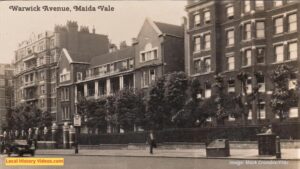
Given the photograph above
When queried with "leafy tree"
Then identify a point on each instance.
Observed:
(129, 108)
(94, 112)
(156, 115)
(26, 116)
(191, 113)
(46, 119)
(283, 98)
(111, 115)
(245, 99)
(225, 103)
(207, 108)
(175, 97)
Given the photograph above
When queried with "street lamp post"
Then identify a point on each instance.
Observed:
(77, 124)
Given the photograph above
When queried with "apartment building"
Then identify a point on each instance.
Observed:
(233, 36)
(6, 92)
(38, 76)
(157, 50)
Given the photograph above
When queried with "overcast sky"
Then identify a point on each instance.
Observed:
(122, 24)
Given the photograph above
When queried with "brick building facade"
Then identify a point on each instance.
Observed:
(38, 72)
(6, 92)
(229, 37)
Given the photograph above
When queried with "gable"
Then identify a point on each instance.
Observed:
(64, 61)
(149, 29)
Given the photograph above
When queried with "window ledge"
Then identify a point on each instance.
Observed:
(148, 60)
(285, 61)
(199, 74)
(291, 32)
(202, 26)
(229, 46)
(260, 38)
(229, 71)
(206, 50)
(247, 66)
(196, 52)
(278, 34)
(246, 40)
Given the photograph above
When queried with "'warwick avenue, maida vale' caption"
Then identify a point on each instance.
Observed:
(77, 8)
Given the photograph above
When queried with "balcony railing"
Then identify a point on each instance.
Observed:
(30, 97)
(30, 83)
(103, 74)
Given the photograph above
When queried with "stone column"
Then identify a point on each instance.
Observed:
(108, 86)
(109, 128)
(54, 128)
(75, 94)
(29, 133)
(66, 135)
(71, 136)
(133, 80)
(36, 137)
(23, 136)
(85, 88)
(96, 89)
(121, 81)
(45, 132)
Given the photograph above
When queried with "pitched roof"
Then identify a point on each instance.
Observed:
(75, 57)
(113, 56)
(169, 29)
(79, 58)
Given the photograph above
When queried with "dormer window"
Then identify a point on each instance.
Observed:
(131, 63)
(79, 76)
(149, 54)
(89, 73)
(125, 65)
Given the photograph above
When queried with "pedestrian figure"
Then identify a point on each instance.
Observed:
(2, 146)
(152, 141)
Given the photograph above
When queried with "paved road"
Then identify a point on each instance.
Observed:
(190, 153)
(104, 162)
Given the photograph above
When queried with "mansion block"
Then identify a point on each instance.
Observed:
(254, 36)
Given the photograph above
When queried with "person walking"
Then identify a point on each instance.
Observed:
(152, 141)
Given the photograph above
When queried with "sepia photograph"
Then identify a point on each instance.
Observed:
(150, 84)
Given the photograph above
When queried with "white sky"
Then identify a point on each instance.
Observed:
(122, 24)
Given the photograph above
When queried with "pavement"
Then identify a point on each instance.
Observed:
(286, 154)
